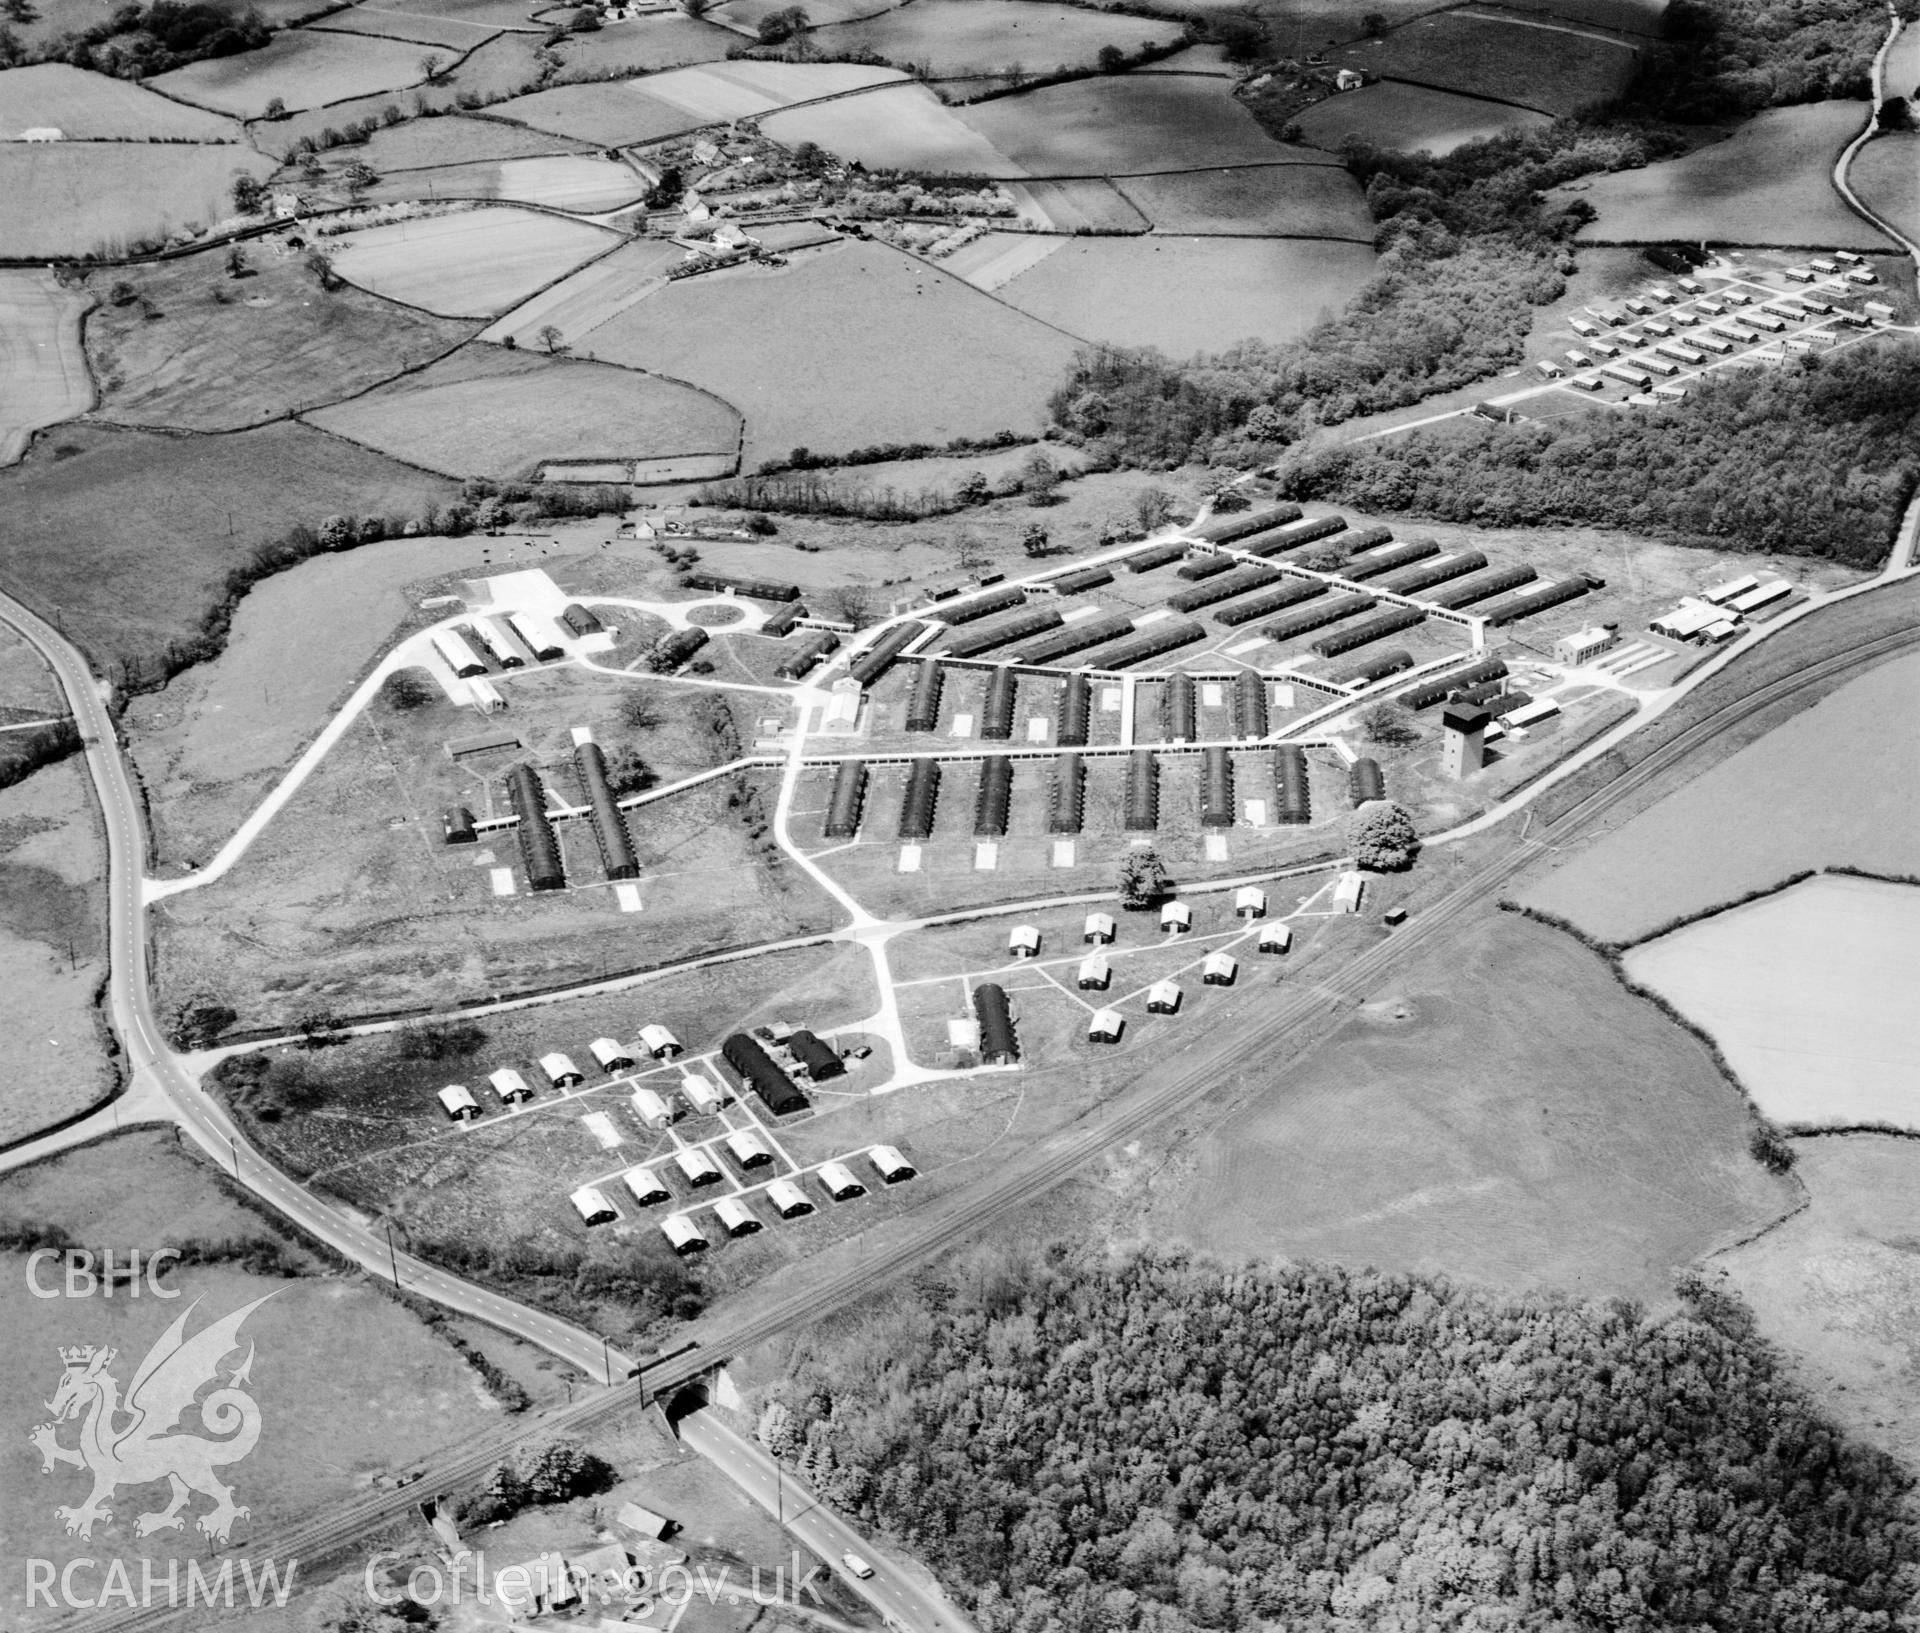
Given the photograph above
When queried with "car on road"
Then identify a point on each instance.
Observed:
(856, 1566)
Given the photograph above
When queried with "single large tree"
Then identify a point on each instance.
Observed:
(1143, 877)
(1383, 837)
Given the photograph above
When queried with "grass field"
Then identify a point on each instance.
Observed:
(40, 358)
(1829, 787)
(1525, 61)
(62, 198)
(1903, 62)
(304, 69)
(1505, 1113)
(579, 304)
(1189, 295)
(1070, 205)
(1294, 200)
(448, 33)
(87, 107)
(901, 128)
(454, 139)
(54, 18)
(1809, 993)
(646, 44)
(1411, 117)
(200, 349)
(492, 412)
(613, 114)
(993, 36)
(1770, 182)
(584, 184)
(844, 348)
(1886, 175)
(133, 533)
(467, 263)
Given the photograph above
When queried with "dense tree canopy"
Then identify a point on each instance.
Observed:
(1817, 457)
(1107, 1445)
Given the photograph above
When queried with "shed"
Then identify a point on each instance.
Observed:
(510, 1085)
(642, 1521)
(748, 1149)
(1219, 970)
(1096, 973)
(788, 1200)
(561, 1072)
(890, 1165)
(683, 1236)
(645, 1187)
(999, 1046)
(1023, 941)
(1105, 1026)
(659, 1042)
(698, 1167)
(1163, 998)
(611, 1055)
(1275, 938)
(1176, 918)
(651, 1108)
(840, 1184)
(703, 1094)
(1347, 892)
(1250, 902)
(736, 1217)
(459, 1102)
(1100, 929)
(591, 1203)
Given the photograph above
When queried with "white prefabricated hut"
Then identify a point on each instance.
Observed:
(484, 695)
(699, 1168)
(643, 1522)
(651, 1107)
(682, 1234)
(1176, 918)
(1219, 969)
(788, 1200)
(748, 1149)
(1250, 902)
(737, 1218)
(839, 1182)
(540, 634)
(1023, 941)
(1275, 938)
(1096, 972)
(561, 1072)
(459, 1103)
(494, 637)
(645, 1186)
(890, 1165)
(591, 1203)
(510, 1085)
(611, 1055)
(1347, 893)
(457, 654)
(1163, 998)
(659, 1042)
(703, 1094)
(1106, 1026)
(1100, 929)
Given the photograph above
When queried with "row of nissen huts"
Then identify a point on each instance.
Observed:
(511, 640)
(558, 1071)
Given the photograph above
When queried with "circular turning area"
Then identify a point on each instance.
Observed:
(716, 614)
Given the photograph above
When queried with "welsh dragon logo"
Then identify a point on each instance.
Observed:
(131, 1443)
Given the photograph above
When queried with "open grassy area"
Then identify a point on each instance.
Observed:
(993, 36)
(1886, 175)
(416, 28)
(40, 357)
(194, 347)
(901, 127)
(467, 263)
(81, 198)
(844, 348)
(88, 107)
(1525, 61)
(646, 45)
(618, 112)
(1770, 182)
(1505, 1113)
(487, 411)
(453, 139)
(1394, 114)
(580, 303)
(580, 183)
(1293, 201)
(302, 68)
(133, 533)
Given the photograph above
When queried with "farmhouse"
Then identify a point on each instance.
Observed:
(1096, 972)
(561, 1072)
(697, 1167)
(840, 1184)
(459, 1102)
(1105, 1026)
(788, 1200)
(645, 1187)
(1176, 918)
(659, 1042)
(682, 1234)
(1163, 998)
(612, 1056)
(748, 1149)
(1023, 941)
(1100, 929)
(510, 1085)
(890, 1165)
(591, 1203)
(651, 1108)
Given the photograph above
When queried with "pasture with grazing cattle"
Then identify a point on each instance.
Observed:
(467, 263)
(302, 68)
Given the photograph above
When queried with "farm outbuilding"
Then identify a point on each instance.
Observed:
(848, 797)
(788, 1200)
(1436, 570)
(921, 800)
(748, 1149)
(837, 1179)
(456, 826)
(1317, 616)
(890, 1165)
(1074, 637)
(813, 649)
(1163, 998)
(457, 654)
(458, 1102)
(609, 824)
(1274, 938)
(1150, 642)
(1216, 789)
(561, 1071)
(1100, 930)
(1176, 918)
(697, 1167)
(610, 1055)
(1067, 801)
(735, 1217)
(644, 1186)
(1075, 712)
(591, 1203)
(1219, 969)
(1278, 599)
(1023, 941)
(1389, 621)
(1105, 1026)
(1364, 781)
(1178, 715)
(758, 589)
(510, 1085)
(993, 798)
(760, 1073)
(703, 1094)
(539, 849)
(1376, 668)
(819, 1060)
(877, 659)
(1021, 626)
(652, 1108)
(659, 1042)
(1292, 788)
(923, 705)
(996, 713)
(1142, 813)
(1096, 972)
(1230, 526)
(1250, 902)
(999, 1044)
(1250, 717)
(682, 1234)
(1468, 590)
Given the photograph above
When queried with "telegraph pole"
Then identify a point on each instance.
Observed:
(393, 1258)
